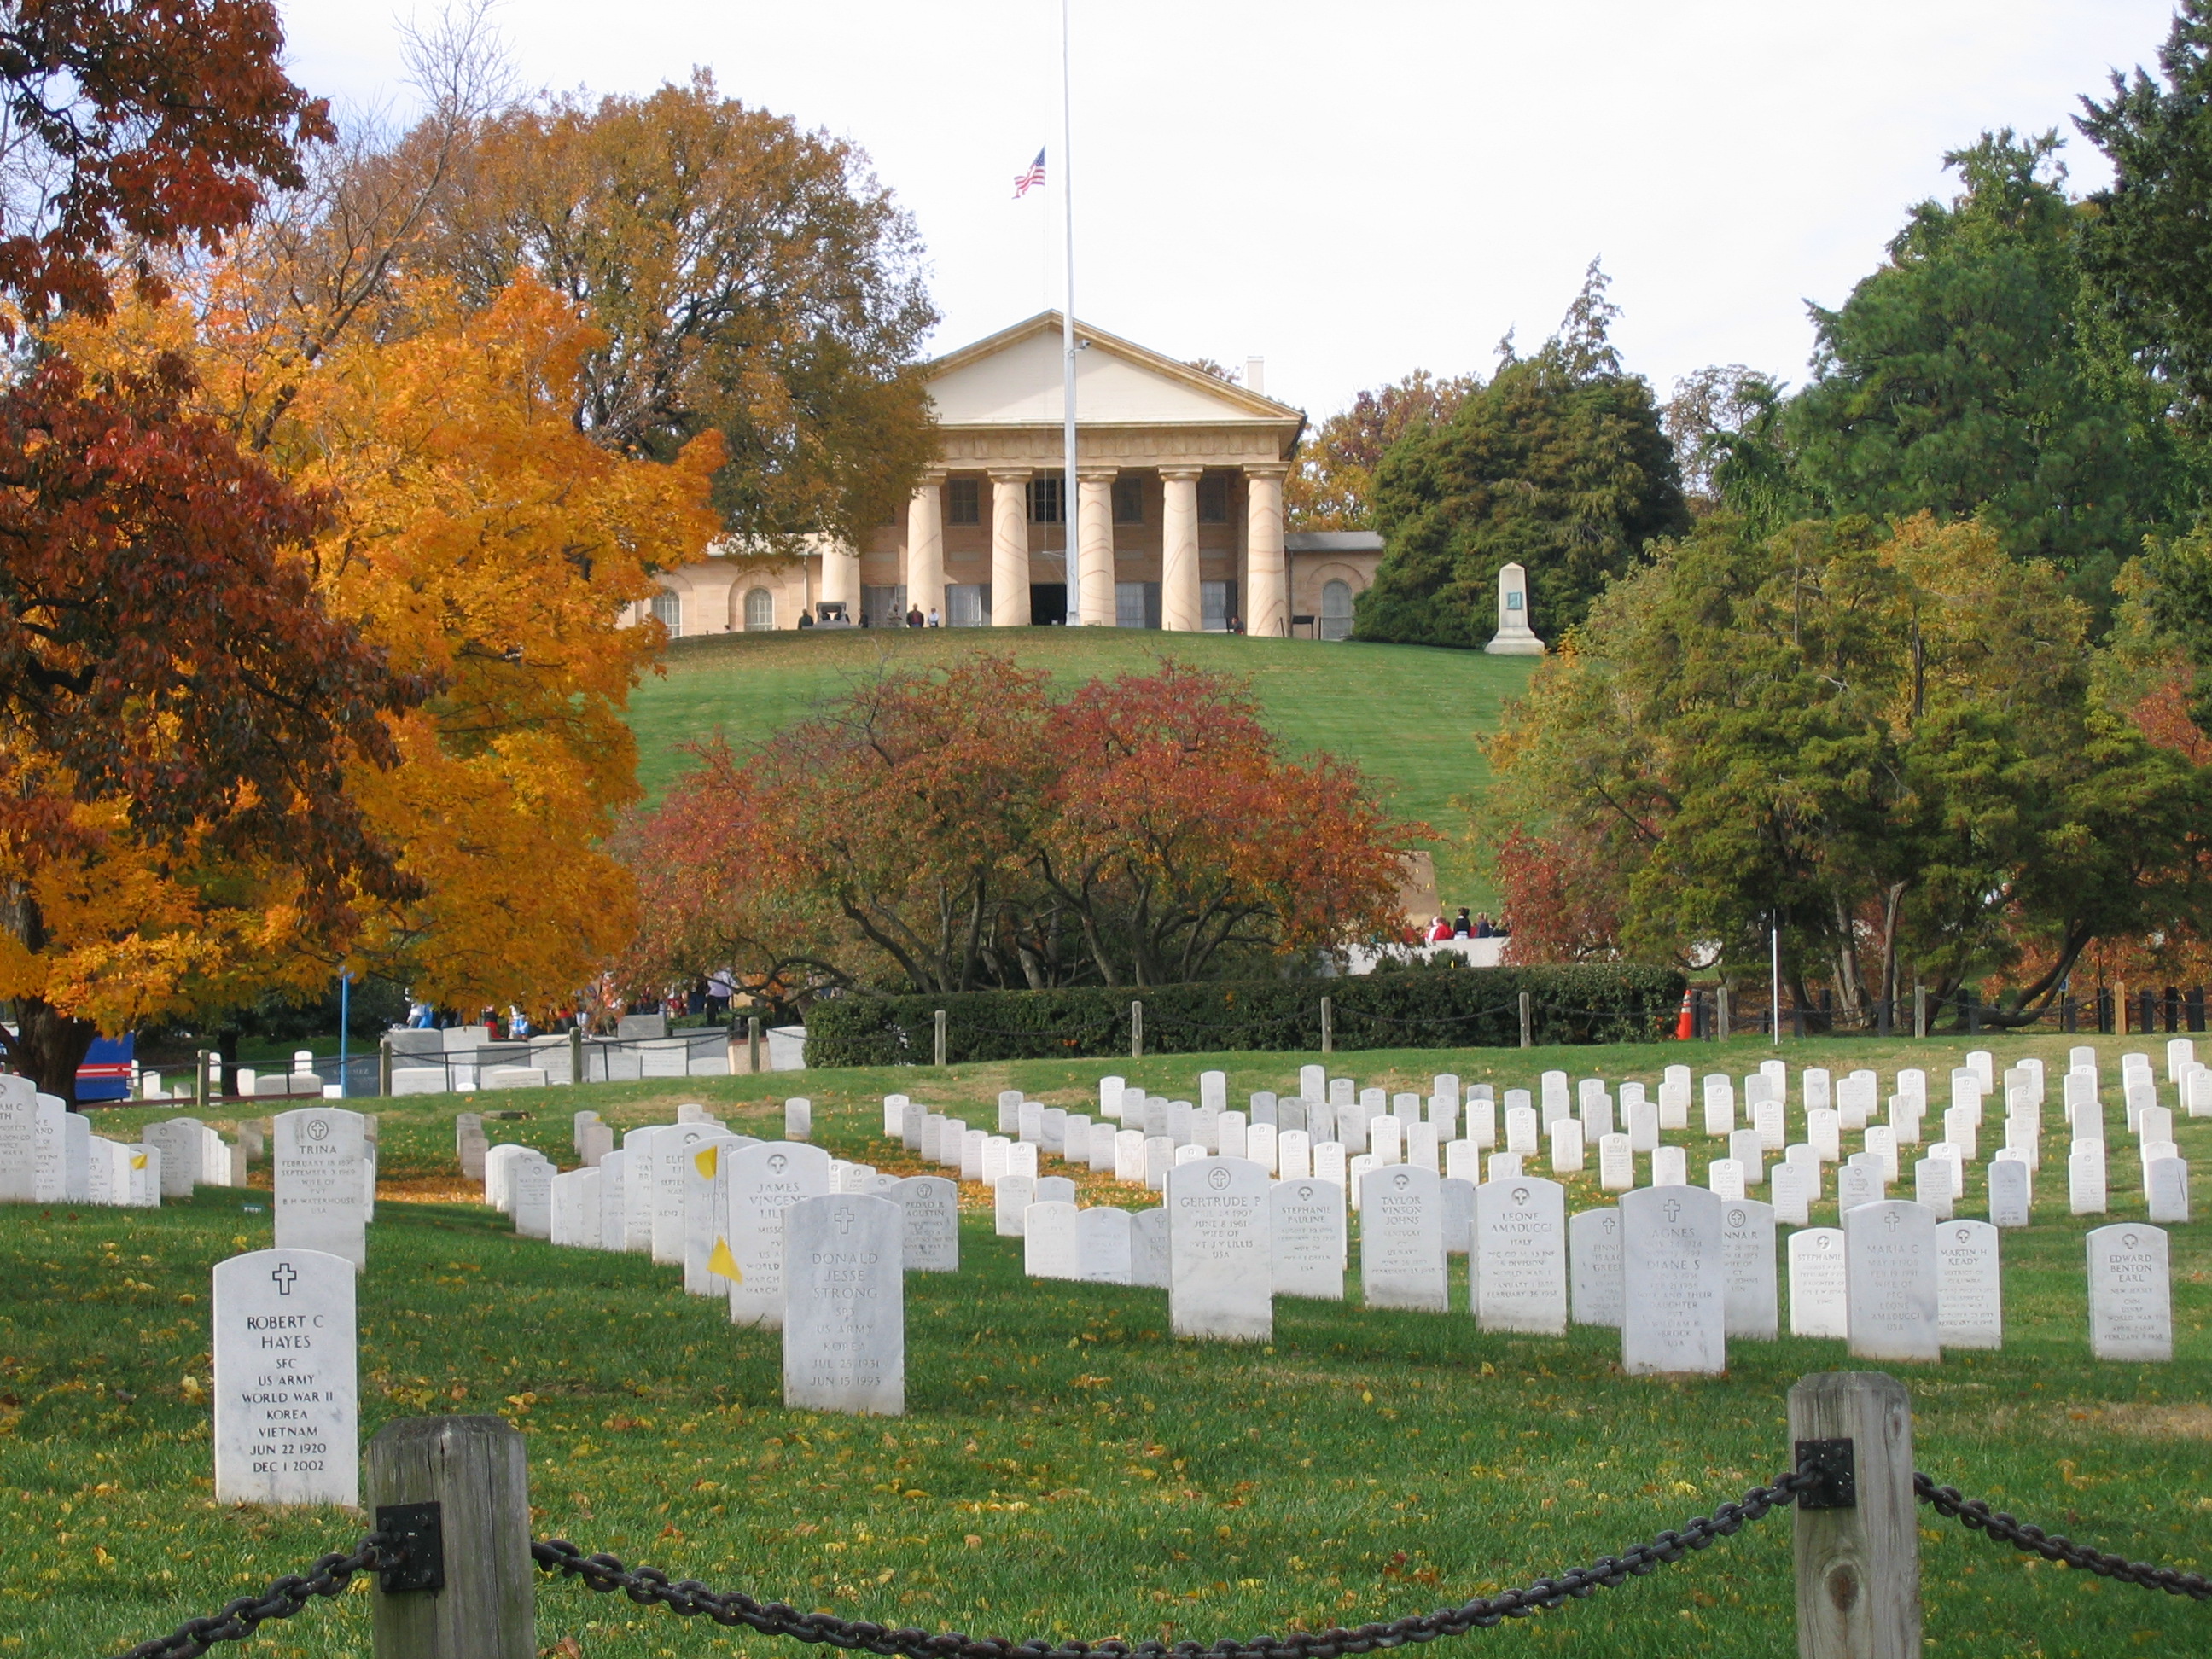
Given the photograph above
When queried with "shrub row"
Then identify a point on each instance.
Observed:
(1438, 1007)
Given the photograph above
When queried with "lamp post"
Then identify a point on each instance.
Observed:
(345, 1019)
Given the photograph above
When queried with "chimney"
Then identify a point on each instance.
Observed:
(1255, 375)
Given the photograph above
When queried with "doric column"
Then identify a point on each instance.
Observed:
(840, 576)
(1094, 594)
(925, 546)
(1010, 547)
(1266, 571)
(1182, 609)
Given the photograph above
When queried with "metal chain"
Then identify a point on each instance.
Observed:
(1977, 1516)
(689, 1599)
(236, 1620)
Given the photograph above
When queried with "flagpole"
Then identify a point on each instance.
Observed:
(1071, 511)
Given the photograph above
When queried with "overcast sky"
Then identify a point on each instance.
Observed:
(1357, 190)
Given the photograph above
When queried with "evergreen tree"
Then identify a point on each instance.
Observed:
(1558, 464)
(1971, 376)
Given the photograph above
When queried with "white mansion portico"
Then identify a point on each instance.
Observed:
(1179, 479)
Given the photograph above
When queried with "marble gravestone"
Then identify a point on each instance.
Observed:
(1048, 1241)
(1305, 1227)
(1457, 1196)
(1969, 1303)
(19, 1109)
(2010, 1192)
(1891, 1278)
(1401, 1244)
(1819, 1304)
(706, 1209)
(1148, 1248)
(530, 1190)
(1220, 1280)
(1673, 1307)
(1594, 1267)
(2131, 1299)
(930, 1206)
(317, 1180)
(1011, 1197)
(2166, 1188)
(1747, 1269)
(287, 1394)
(1520, 1273)
(761, 1182)
(1102, 1245)
(844, 1305)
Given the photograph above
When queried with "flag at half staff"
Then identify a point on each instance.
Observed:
(1032, 174)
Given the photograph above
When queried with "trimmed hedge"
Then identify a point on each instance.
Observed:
(1437, 1007)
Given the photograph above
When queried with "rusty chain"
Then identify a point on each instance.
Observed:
(236, 1620)
(1977, 1516)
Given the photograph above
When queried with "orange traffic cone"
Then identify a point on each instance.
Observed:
(1685, 1026)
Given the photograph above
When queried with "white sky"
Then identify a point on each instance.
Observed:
(1357, 190)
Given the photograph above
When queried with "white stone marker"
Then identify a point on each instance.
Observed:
(1011, 1197)
(1748, 1152)
(1129, 1155)
(1670, 1166)
(2130, 1300)
(1520, 1277)
(1055, 1189)
(1818, 1304)
(1457, 1195)
(1566, 1146)
(1293, 1156)
(1521, 1130)
(798, 1118)
(1890, 1252)
(287, 1395)
(1050, 1248)
(1674, 1312)
(19, 1111)
(611, 1169)
(1724, 1178)
(1969, 1303)
(530, 1190)
(2086, 1193)
(2011, 1192)
(1100, 1155)
(1594, 1267)
(1642, 1118)
(182, 1146)
(1401, 1246)
(1747, 1269)
(1102, 1245)
(1932, 1180)
(317, 1177)
(930, 1235)
(1148, 1248)
(844, 1305)
(762, 1182)
(672, 1147)
(1159, 1159)
(2165, 1187)
(1790, 1187)
(1856, 1184)
(1220, 1280)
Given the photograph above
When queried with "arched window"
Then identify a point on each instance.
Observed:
(668, 611)
(1336, 610)
(760, 611)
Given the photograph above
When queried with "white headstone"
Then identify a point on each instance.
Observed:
(844, 1305)
(1747, 1269)
(1819, 1305)
(1049, 1248)
(287, 1394)
(1402, 1251)
(762, 1182)
(2131, 1299)
(2011, 1192)
(1969, 1305)
(931, 1233)
(1594, 1267)
(1673, 1295)
(1669, 1166)
(1102, 1245)
(317, 1179)
(1221, 1280)
(2166, 1188)
(1520, 1276)
(1890, 1252)
(1011, 1197)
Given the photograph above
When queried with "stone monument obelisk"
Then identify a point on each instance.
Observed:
(1515, 638)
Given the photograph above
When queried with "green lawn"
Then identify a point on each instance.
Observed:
(1408, 714)
(1067, 1470)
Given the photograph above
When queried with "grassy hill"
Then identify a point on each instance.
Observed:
(1408, 714)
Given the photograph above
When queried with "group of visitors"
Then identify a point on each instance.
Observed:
(1464, 927)
(830, 618)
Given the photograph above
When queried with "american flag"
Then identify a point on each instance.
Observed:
(1033, 174)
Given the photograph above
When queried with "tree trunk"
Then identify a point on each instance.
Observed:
(49, 1047)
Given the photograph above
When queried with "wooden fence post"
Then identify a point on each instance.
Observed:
(942, 1047)
(1136, 1030)
(752, 1040)
(473, 1468)
(1857, 1550)
(576, 1054)
(1329, 1025)
(1527, 1024)
(1920, 1010)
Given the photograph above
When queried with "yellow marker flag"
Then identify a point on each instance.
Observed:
(138, 1161)
(706, 1159)
(723, 1264)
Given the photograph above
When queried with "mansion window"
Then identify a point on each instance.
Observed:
(668, 611)
(963, 501)
(1213, 498)
(1128, 501)
(1044, 501)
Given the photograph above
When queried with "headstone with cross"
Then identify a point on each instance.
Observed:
(1674, 1294)
(287, 1398)
(1891, 1269)
(844, 1304)
(1594, 1267)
